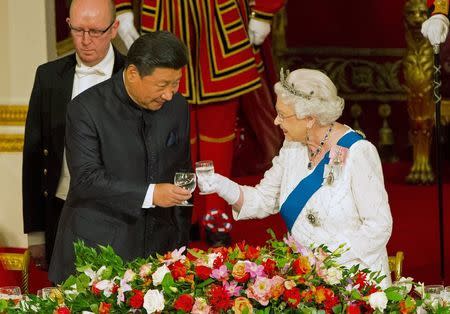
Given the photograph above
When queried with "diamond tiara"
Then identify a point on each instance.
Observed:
(290, 86)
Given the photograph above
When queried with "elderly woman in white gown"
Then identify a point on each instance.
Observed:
(326, 182)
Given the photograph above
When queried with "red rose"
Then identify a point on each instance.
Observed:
(292, 297)
(178, 270)
(184, 303)
(353, 309)
(269, 267)
(137, 299)
(203, 272)
(218, 261)
(104, 308)
(63, 310)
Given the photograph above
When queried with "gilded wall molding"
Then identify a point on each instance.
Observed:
(360, 74)
(64, 46)
(13, 114)
(11, 142)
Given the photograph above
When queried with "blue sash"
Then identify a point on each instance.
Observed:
(296, 201)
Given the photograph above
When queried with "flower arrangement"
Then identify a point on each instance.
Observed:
(281, 277)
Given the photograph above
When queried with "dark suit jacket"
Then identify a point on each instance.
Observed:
(115, 149)
(44, 143)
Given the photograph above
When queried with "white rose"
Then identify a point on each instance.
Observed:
(334, 276)
(153, 301)
(378, 301)
(159, 274)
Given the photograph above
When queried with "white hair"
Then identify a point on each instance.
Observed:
(324, 104)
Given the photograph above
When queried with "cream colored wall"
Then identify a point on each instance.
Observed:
(25, 45)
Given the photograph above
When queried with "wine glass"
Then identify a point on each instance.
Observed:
(46, 292)
(434, 292)
(203, 169)
(186, 180)
(11, 293)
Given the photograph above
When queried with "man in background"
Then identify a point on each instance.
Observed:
(45, 176)
(125, 139)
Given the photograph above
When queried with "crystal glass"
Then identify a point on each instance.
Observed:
(203, 169)
(11, 293)
(47, 292)
(434, 292)
(186, 180)
(445, 295)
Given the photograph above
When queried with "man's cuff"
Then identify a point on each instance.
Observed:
(148, 200)
(36, 238)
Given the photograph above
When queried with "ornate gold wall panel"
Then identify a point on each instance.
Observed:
(11, 115)
(360, 74)
(11, 142)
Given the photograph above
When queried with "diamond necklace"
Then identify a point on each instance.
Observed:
(313, 154)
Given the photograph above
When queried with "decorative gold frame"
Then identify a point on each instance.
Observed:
(12, 115)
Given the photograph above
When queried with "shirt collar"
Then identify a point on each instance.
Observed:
(105, 66)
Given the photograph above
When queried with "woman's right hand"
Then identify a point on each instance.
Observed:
(224, 187)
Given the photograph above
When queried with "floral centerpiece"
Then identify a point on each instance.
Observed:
(281, 277)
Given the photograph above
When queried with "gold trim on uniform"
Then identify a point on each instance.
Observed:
(224, 139)
(440, 7)
(193, 140)
(262, 16)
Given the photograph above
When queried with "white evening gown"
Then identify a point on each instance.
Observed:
(353, 210)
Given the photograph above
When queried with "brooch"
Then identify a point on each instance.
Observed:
(313, 217)
(333, 169)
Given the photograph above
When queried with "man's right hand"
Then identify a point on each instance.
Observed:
(168, 195)
(37, 253)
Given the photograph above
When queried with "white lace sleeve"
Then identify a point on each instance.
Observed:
(371, 200)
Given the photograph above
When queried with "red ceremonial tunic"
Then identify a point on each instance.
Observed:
(222, 63)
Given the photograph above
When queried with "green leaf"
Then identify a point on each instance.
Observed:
(393, 295)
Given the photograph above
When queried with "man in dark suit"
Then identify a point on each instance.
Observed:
(125, 139)
(45, 179)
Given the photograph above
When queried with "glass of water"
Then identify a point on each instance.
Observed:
(186, 180)
(203, 169)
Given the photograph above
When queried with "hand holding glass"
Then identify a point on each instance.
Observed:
(204, 169)
(186, 180)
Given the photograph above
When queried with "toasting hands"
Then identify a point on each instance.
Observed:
(167, 195)
(224, 187)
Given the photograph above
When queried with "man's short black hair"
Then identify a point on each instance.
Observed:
(160, 49)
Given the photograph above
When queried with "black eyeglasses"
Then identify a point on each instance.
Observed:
(94, 33)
